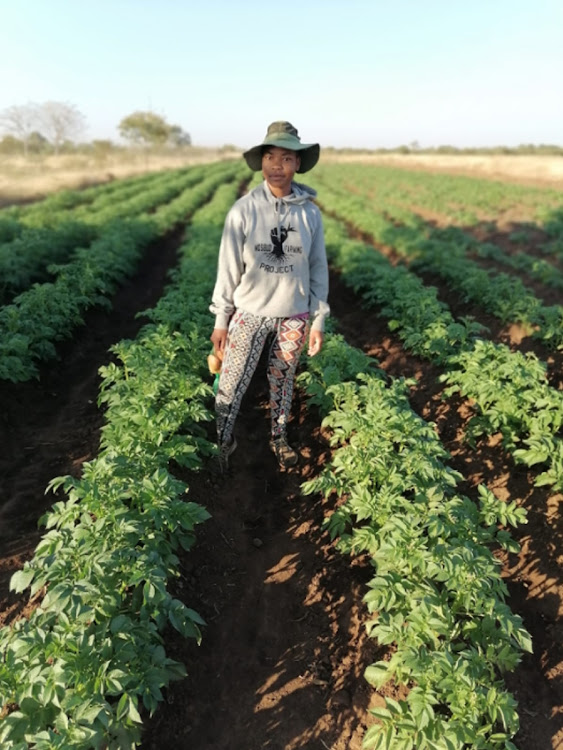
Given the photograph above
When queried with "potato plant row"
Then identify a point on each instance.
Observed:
(510, 391)
(77, 673)
(58, 207)
(162, 189)
(443, 252)
(65, 201)
(468, 201)
(388, 452)
(26, 260)
(31, 257)
(535, 268)
(50, 312)
(436, 595)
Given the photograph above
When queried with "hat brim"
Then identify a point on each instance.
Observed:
(308, 154)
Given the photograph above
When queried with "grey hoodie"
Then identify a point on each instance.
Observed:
(272, 259)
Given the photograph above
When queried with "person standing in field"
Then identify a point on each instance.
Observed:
(272, 283)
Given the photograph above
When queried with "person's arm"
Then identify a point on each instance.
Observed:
(230, 267)
(318, 290)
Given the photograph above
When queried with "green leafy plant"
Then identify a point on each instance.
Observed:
(514, 398)
(79, 672)
(437, 595)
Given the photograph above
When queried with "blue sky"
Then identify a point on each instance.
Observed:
(357, 73)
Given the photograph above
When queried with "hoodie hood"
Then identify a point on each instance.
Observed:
(299, 195)
(282, 206)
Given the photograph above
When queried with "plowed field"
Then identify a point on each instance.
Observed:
(281, 663)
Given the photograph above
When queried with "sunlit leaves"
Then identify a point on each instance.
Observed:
(436, 596)
(76, 673)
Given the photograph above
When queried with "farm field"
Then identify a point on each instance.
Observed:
(445, 357)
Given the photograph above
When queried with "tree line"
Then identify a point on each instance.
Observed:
(54, 127)
(529, 149)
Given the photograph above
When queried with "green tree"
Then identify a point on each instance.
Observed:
(178, 137)
(144, 129)
(150, 129)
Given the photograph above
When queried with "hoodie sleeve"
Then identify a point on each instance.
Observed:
(318, 274)
(229, 268)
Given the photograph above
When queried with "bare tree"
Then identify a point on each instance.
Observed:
(20, 121)
(61, 122)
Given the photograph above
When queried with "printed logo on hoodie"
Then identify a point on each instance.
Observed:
(276, 252)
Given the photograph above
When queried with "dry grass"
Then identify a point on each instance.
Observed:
(34, 178)
(544, 171)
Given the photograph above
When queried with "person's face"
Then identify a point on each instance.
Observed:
(278, 167)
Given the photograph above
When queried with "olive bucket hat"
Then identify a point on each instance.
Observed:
(283, 135)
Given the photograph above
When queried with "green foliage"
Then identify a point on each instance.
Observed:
(144, 128)
(436, 595)
(78, 672)
(49, 312)
(150, 129)
(444, 252)
(25, 260)
(514, 398)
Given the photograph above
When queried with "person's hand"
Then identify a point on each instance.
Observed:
(315, 342)
(219, 340)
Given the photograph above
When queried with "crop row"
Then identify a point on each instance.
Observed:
(25, 260)
(162, 189)
(536, 268)
(29, 258)
(436, 595)
(510, 391)
(490, 715)
(401, 197)
(466, 200)
(65, 201)
(76, 673)
(405, 227)
(501, 295)
(49, 312)
(444, 253)
(58, 207)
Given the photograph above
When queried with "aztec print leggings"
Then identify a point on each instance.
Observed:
(245, 342)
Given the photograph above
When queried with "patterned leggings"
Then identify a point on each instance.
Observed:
(245, 342)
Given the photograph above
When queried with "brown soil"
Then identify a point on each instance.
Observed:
(284, 649)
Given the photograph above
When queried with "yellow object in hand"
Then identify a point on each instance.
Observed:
(214, 362)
